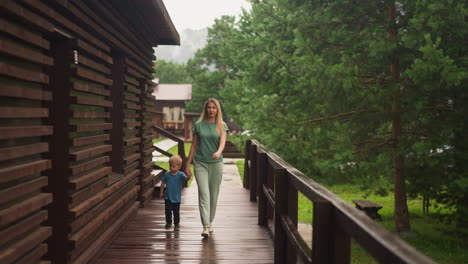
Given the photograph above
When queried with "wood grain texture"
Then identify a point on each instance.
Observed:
(236, 239)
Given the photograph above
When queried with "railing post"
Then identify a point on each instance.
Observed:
(322, 232)
(253, 175)
(341, 246)
(281, 208)
(247, 162)
(292, 213)
(261, 171)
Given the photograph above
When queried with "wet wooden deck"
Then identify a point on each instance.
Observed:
(236, 238)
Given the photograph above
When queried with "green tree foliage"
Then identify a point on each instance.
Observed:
(313, 81)
(171, 72)
(208, 68)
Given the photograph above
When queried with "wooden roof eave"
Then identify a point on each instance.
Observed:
(157, 19)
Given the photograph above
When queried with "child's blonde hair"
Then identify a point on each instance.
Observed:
(175, 159)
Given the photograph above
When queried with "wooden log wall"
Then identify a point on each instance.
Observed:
(75, 128)
(148, 108)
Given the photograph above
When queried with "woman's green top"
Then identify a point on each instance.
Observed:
(208, 141)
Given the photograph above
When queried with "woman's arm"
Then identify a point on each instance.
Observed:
(222, 143)
(193, 148)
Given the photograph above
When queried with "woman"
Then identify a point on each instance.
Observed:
(209, 139)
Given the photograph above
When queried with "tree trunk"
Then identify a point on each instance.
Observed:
(401, 207)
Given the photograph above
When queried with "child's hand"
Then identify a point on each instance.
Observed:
(161, 195)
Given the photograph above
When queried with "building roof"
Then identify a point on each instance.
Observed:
(173, 92)
(151, 18)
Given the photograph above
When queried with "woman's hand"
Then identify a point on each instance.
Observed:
(216, 155)
(187, 171)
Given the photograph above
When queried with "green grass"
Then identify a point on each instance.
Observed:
(442, 242)
(156, 140)
(240, 167)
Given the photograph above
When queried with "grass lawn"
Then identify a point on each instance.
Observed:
(440, 241)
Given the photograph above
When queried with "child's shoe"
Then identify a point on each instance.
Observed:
(168, 226)
(176, 227)
(206, 232)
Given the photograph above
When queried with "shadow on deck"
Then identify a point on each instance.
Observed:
(237, 238)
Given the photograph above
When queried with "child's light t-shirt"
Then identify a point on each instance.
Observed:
(173, 186)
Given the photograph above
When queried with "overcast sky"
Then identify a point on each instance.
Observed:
(198, 14)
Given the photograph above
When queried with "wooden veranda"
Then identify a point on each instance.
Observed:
(237, 238)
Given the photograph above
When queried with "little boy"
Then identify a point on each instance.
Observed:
(173, 180)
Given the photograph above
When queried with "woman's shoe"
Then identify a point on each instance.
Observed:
(206, 232)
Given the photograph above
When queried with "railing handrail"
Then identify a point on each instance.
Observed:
(167, 134)
(341, 217)
(180, 144)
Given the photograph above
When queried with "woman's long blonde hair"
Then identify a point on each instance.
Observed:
(219, 115)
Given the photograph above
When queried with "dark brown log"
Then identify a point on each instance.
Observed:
(90, 114)
(132, 89)
(64, 22)
(17, 91)
(21, 112)
(84, 100)
(131, 98)
(97, 246)
(86, 205)
(15, 50)
(90, 88)
(23, 151)
(87, 153)
(22, 227)
(16, 191)
(28, 16)
(87, 192)
(132, 106)
(96, 222)
(19, 132)
(88, 165)
(89, 178)
(23, 34)
(132, 141)
(85, 47)
(81, 72)
(92, 127)
(23, 74)
(24, 208)
(34, 256)
(25, 245)
(83, 60)
(19, 171)
(89, 140)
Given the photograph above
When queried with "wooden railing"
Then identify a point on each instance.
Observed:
(180, 145)
(335, 222)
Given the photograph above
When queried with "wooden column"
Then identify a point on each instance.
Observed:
(59, 176)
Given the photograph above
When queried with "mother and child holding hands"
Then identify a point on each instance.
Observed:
(209, 139)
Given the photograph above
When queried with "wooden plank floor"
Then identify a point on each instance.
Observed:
(236, 238)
